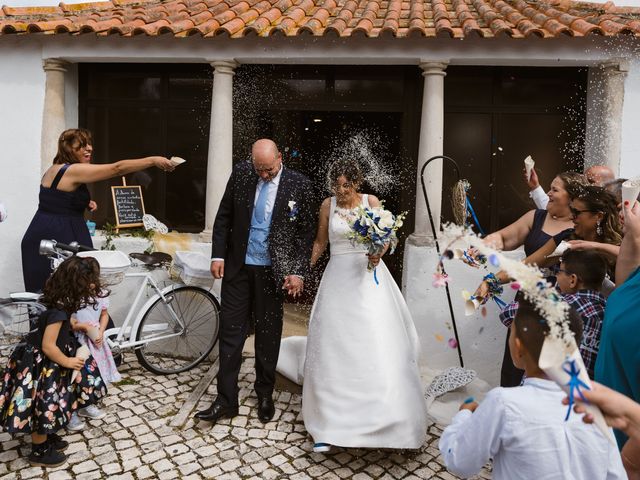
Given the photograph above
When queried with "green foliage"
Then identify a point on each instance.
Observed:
(111, 232)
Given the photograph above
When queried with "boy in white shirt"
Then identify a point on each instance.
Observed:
(522, 428)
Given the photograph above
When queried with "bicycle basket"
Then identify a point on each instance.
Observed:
(113, 265)
(193, 268)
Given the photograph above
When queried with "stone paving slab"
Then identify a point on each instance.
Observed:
(135, 442)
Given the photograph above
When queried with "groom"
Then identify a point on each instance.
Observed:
(262, 239)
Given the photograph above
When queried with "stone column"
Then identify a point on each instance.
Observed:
(220, 140)
(431, 144)
(53, 119)
(429, 307)
(605, 99)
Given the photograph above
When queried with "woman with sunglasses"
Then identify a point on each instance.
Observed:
(64, 197)
(596, 226)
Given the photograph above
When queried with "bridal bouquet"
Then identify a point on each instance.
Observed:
(374, 227)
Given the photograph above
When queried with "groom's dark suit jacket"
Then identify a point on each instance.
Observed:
(292, 229)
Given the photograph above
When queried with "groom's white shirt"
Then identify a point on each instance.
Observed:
(271, 197)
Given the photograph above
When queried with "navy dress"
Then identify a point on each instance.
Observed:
(60, 217)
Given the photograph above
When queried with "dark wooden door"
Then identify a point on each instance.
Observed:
(495, 117)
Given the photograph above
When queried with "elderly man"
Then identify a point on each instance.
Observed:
(596, 175)
(262, 239)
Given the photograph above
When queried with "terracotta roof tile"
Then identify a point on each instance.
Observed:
(371, 18)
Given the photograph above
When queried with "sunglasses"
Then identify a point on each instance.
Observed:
(575, 212)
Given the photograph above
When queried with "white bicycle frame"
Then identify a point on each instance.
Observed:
(123, 335)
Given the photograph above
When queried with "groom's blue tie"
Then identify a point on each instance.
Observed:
(259, 211)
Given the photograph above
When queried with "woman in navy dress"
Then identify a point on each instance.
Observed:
(532, 231)
(64, 196)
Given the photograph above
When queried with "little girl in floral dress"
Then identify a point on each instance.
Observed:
(89, 325)
(38, 389)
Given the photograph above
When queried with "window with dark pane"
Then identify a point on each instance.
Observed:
(136, 110)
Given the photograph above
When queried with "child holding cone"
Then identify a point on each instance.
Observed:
(523, 428)
(37, 395)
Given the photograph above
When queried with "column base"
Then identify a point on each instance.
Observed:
(421, 240)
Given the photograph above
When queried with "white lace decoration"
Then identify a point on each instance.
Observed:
(449, 380)
(152, 223)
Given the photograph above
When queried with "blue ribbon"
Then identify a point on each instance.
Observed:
(474, 216)
(375, 276)
(501, 303)
(574, 383)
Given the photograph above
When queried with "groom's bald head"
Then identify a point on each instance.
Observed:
(266, 158)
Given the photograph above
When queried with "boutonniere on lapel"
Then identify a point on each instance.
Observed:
(293, 210)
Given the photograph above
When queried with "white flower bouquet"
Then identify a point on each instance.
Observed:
(374, 227)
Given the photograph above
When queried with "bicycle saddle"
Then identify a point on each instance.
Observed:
(154, 259)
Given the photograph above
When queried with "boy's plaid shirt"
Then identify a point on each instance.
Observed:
(589, 304)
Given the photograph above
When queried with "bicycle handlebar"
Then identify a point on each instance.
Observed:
(51, 247)
(74, 248)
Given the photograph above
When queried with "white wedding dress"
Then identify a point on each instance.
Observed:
(362, 385)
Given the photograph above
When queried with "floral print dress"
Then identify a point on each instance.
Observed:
(36, 394)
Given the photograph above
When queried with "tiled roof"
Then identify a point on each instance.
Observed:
(342, 18)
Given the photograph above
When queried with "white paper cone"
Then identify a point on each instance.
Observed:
(630, 191)
(177, 160)
(553, 356)
(528, 165)
(93, 333)
(560, 249)
(470, 306)
(83, 353)
(458, 253)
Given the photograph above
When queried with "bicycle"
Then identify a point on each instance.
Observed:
(173, 331)
(16, 313)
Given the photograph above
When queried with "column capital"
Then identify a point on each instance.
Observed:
(616, 66)
(224, 66)
(433, 68)
(55, 64)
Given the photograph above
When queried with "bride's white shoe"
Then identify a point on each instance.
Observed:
(321, 447)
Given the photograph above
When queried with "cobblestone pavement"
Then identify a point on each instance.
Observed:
(135, 440)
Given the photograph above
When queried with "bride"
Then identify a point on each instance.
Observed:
(361, 380)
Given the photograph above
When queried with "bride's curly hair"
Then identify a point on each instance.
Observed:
(74, 285)
(348, 169)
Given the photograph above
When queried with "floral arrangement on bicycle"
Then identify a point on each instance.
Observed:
(374, 227)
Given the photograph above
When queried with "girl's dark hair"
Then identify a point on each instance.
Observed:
(74, 285)
(70, 140)
(598, 199)
(347, 168)
(573, 182)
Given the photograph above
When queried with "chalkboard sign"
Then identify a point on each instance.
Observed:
(128, 205)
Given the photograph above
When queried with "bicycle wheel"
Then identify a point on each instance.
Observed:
(170, 347)
(15, 316)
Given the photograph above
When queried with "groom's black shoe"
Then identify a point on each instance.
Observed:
(266, 409)
(216, 412)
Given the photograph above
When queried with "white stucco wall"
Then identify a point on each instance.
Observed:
(22, 92)
(630, 148)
